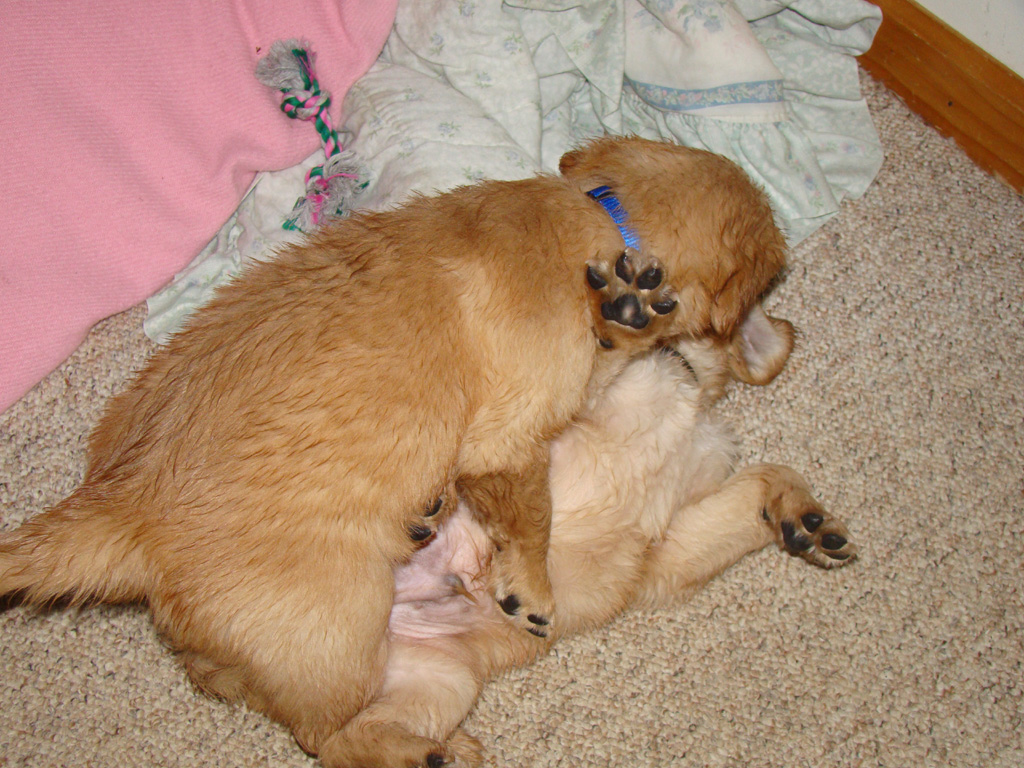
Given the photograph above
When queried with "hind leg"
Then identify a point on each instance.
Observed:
(756, 506)
(299, 634)
(413, 721)
(305, 682)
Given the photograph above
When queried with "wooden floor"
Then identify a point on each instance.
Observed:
(953, 84)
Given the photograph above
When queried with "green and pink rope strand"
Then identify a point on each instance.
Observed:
(288, 67)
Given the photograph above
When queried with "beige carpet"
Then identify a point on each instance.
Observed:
(904, 404)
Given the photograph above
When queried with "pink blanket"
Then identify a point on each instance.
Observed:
(130, 133)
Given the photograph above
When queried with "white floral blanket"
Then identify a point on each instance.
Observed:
(471, 89)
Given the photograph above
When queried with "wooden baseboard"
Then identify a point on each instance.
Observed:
(953, 84)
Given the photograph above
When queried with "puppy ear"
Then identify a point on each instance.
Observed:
(569, 161)
(756, 251)
(760, 346)
(591, 163)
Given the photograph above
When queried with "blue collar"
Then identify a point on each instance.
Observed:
(610, 203)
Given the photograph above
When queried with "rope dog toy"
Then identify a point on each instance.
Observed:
(288, 67)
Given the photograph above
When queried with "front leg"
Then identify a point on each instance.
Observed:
(515, 509)
(758, 505)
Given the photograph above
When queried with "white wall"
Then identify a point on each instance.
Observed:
(997, 26)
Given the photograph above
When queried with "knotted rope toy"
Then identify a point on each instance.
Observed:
(288, 67)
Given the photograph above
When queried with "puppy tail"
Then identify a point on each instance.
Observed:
(79, 552)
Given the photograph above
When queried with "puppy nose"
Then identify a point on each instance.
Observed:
(625, 310)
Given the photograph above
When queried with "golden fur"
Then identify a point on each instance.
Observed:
(647, 509)
(266, 471)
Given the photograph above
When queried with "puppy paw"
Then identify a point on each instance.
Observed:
(386, 745)
(527, 602)
(632, 299)
(801, 526)
(423, 529)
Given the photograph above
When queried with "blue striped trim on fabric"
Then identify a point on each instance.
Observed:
(611, 204)
(678, 100)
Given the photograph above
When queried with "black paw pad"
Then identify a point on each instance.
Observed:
(833, 541)
(812, 521)
(510, 605)
(536, 632)
(435, 507)
(650, 279)
(664, 307)
(420, 532)
(435, 760)
(594, 279)
(625, 310)
(538, 619)
(795, 542)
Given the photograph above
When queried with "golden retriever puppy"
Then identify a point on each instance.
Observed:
(266, 471)
(647, 508)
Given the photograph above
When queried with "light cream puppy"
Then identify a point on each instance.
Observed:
(647, 508)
